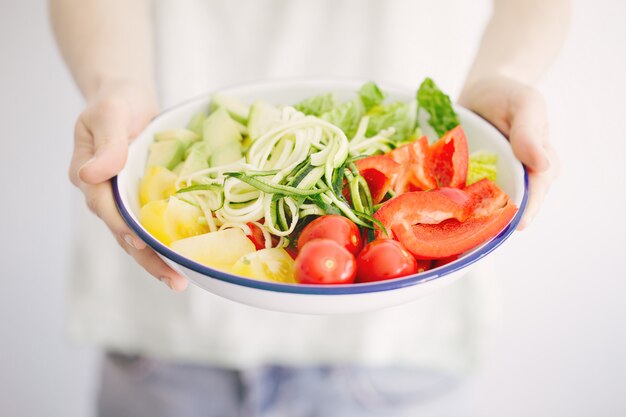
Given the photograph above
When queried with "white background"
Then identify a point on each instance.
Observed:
(561, 349)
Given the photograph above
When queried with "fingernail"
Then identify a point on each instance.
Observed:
(129, 240)
(166, 281)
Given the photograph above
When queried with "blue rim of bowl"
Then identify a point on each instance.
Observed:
(344, 289)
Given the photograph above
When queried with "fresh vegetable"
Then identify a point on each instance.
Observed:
(273, 264)
(481, 165)
(318, 105)
(185, 136)
(492, 211)
(447, 159)
(415, 172)
(384, 259)
(346, 116)
(158, 184)
(172, 219)
(371, 96)
(443, 118)
(423, 207)
(402, 117)
(256, 236)
(247, 189)
(378, 171)
(333, 227)
(217, 249)
(166, 154)
(324, 261)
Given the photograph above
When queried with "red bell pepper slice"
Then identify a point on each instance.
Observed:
(414, 174)
(256, 236)
(488, 197)
(448, 159)
(430, 207)
(492, 210)
(378, 171)
(452, 237)
(402, 181)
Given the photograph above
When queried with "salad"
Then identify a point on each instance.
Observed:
(322, 191)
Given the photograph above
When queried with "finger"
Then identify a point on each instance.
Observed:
(156, 267)
(529, 129)
(539, 184)
(99, 199)
(108, 125)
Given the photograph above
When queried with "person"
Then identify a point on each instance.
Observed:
(189, 353)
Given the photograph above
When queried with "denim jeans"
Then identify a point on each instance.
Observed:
(135, 386)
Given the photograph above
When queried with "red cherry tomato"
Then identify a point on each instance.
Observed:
(324, 261)
(256, 236)
(384, 259)
(338, 228)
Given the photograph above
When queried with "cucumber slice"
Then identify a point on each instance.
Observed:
(197, 160)
(166, 154)
(196, 122)
(262, 117)
(226, 154)
(203, 146)
(235, 108)
(220, 130)
(185, 136)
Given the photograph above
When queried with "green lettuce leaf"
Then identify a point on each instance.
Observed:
(318, 105)
(399, 115)
(438, 106)
(371, 95)
(346, 116)
(482, 164)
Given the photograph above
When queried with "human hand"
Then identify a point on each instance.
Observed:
(114, 116)
(519, 112)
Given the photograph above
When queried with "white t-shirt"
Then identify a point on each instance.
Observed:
(203, 45)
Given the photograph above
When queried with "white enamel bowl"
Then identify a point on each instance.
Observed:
(313, 299)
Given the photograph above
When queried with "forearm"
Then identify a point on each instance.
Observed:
(521, 39)
(104, 41)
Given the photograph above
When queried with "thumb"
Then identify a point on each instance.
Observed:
(107, 126)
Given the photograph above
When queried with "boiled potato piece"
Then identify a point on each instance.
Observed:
(172, 219)
(217, 249)
(157, 184)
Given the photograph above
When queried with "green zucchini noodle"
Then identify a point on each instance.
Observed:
(376, 144)
(298, 153)
(297, 168)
